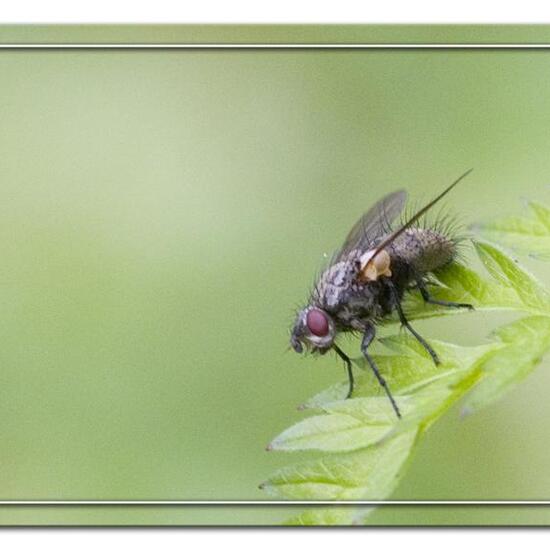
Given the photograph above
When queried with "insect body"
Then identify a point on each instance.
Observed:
(367, 279)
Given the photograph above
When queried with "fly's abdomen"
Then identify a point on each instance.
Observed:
(423, 249)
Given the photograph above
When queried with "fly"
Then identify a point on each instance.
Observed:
(367, 279)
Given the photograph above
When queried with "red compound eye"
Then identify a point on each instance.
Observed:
(317, 322)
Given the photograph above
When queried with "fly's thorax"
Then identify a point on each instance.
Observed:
(423, 250)
(350, 301)
(335, 283)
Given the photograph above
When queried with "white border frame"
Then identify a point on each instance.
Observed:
(284, 503)
(275, 46)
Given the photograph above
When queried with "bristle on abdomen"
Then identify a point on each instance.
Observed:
(423, 249)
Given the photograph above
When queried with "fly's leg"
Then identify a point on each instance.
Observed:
(407, 325)
(429, 300)
(368, 337)
(347, 361)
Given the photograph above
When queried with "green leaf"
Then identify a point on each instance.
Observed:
(406, 366)
(368, 474)
(532, 295)
(325, 516)
(458, 283)
(528, 235)
(344, 428)
(525, 343)
(510, 287)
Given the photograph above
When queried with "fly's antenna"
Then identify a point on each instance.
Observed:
(418, 215)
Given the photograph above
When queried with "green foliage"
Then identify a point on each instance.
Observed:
(528, 235)
(509, 288)
(365, 446)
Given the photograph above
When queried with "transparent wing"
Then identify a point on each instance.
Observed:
(374, 224)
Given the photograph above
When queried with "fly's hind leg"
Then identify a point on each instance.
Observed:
(429, 300)
(368, 337)
(407, 325)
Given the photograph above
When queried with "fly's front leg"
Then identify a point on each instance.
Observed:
(368, 337)
(347, 361)
(407, 325)
(429, 300)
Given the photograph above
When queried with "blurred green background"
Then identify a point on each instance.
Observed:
(161, 215)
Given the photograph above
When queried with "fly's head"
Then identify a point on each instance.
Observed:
(313, 328)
